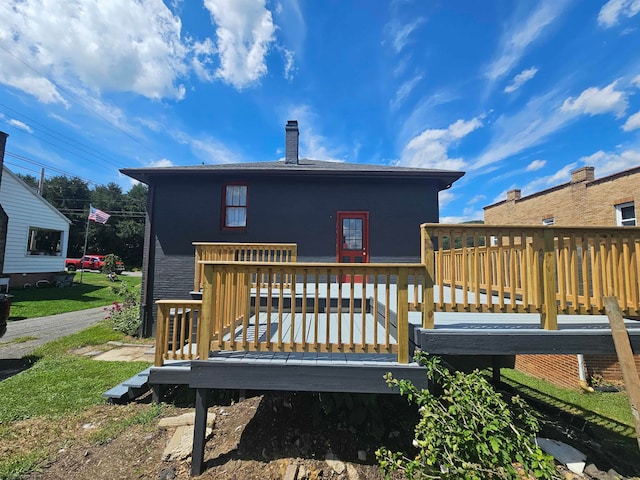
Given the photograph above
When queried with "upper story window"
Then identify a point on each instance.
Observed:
(547, 222)
(235, 206)
(626, 215)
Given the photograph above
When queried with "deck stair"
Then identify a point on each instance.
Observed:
(129, 389)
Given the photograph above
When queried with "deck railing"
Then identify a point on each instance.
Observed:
(526, 269)
(240, 252)
(178, 330)
(348, 308)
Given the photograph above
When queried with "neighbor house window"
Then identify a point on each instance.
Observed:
(42, 241)
(626, 215)
(547, 222)
(235, 206)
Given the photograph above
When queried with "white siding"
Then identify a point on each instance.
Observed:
(26, 209)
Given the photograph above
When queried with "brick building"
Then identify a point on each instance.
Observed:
(584, 200)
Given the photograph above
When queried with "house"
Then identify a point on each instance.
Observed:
(583, 201)
(333, 211)
(36, 234)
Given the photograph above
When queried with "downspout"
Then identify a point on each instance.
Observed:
(583, 375)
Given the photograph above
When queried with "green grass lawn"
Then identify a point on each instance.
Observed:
(95, 291)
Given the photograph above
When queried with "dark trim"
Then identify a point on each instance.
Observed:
(146, 300)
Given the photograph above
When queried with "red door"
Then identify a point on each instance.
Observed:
(352, 237)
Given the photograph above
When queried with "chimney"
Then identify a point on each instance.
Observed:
(291, 142)
(584, 174)
(513, 195)
(4, 220)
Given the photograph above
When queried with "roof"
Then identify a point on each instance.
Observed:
(304, 167)
(39, 197)
(607, 178)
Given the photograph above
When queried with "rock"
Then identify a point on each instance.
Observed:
(591, 469)
(185, 419)
(352, 473)
(167, 474)
(181, 443)
(362, 455)
(302, 473)
(335, 464)
(613, 475)
(291, 473)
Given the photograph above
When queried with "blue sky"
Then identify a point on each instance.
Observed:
(516, 94)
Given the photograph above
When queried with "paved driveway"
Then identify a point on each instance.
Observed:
(45, 329)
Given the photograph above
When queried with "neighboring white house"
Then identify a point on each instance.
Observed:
(37, 233)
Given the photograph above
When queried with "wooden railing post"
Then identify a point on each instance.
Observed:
(161, 340)
(549, 315)
(197, 273)
(206, 314)
(427, 257)
(403, 315)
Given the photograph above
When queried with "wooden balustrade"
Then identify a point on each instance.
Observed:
(350, 308)
(526, 269)
(178, 330)
(240, 252)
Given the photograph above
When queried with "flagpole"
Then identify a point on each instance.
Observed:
(84, 250)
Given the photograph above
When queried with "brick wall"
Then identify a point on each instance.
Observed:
(561, 370)
(576, 203)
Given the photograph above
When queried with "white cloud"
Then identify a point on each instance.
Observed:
(468, 215)
(206, 148)
(163, 162)
(399, 33)
(594, 101)
(520, 79)
(520, 35)
(430, 148)
(636, 81)
(476, 199)
(20, 125)
(202, 61)
(606, 163)
(536, 165)
(117, 45)
(313, 144)
(561, 176)
(445, 197)
(289, 64)
(632, 123)
(405, 90)
(613, 10)
(245, 32)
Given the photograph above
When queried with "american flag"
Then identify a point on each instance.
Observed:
(98, 215)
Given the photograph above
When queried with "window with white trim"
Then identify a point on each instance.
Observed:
(235, 206)
(44, 241)
(626, 214)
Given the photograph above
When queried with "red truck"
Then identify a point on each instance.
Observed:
(90, 262)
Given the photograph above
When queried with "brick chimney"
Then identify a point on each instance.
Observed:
(291, 142)
(4, 220)
(584, 174)
(513, 195)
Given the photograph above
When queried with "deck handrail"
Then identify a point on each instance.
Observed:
(228, 251)
(326, 307)
(177, 331)
(533, 269)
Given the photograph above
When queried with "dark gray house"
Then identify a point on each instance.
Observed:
(333, 211)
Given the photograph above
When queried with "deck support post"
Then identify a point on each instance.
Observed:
(427, 258)
(403, 315)
(549, 315)
(495, 370)
(199, 432)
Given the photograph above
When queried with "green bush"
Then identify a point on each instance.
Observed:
(125, 314)
(469, 431)
(110, 262)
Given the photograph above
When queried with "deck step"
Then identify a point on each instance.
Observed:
(130, 388)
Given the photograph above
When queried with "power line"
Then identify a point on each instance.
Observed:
(40, 164)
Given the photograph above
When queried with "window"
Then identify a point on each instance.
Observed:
(547, 222)
(42, 241)
(626, 215)
(235, 206)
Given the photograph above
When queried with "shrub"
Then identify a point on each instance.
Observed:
(110, 262)
(125, 314)
(469, 431)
